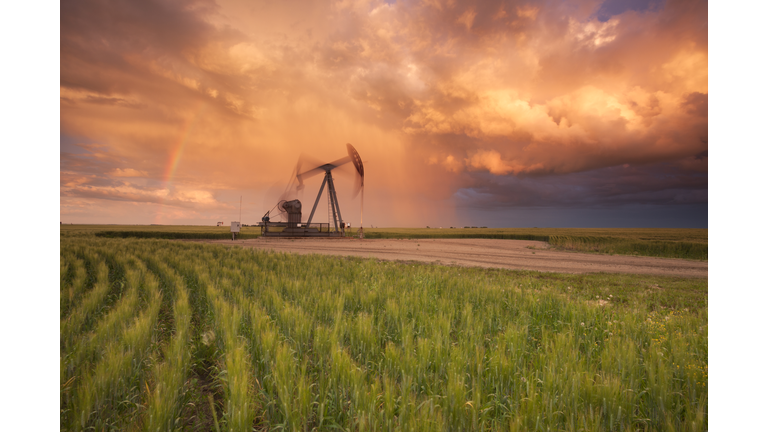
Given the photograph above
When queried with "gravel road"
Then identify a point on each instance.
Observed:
(509, 254)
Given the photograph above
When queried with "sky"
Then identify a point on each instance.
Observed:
(480, 113)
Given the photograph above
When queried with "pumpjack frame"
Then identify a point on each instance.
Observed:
(295, 228)
(333, 200)
(308, 229)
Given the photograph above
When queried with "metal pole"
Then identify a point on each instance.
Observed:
(362, 197)
(332, 197)
(335, 200)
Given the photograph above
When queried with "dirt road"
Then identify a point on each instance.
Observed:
(510, 254)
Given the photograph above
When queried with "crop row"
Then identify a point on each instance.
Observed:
(319, 343)
(108, 341)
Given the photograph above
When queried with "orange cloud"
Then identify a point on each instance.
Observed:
(438, 97)
(127, 172)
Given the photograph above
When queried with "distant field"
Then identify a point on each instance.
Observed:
(658, 242)
(168, 335)
(159, 231)
(641, 234)
(668, 243)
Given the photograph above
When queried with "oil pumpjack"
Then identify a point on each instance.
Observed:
(335, 226)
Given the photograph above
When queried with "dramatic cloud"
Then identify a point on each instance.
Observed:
(184, 106)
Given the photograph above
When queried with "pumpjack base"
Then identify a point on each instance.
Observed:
(280, 230)
(304, 235)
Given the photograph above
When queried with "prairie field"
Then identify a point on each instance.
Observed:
(161, 335)
(159, 231)
(657, 242)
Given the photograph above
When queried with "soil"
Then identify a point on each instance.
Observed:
(509, 254)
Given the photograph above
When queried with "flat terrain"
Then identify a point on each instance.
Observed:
(689, 244)
(508, 254)
(159, 334)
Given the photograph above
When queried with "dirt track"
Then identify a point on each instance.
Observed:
(510, 254)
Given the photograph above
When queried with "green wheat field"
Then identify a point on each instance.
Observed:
(160, 335)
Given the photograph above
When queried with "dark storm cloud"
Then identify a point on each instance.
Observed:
(662, 184)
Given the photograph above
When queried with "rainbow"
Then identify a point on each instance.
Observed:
(177, 151)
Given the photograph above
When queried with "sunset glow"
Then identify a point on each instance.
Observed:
(493, 113)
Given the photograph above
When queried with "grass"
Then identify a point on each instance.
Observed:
(631, 246)
(159, 231)
(206, 337)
